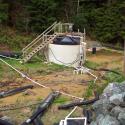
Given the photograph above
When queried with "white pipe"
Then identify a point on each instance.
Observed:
(93, 76)
(65, 121)
(71, 112)
(23, 75)
(71, 95)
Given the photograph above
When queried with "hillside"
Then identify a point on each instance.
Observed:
(103, 19)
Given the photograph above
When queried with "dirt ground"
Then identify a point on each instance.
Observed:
(64, 81)
(108, 59)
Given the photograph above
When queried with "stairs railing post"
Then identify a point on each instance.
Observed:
(61, 28)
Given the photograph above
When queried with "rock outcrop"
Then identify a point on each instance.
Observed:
(110, 108)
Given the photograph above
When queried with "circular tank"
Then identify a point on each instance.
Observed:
(65, 51)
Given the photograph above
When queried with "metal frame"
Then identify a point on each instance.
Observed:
(77, 118)
(64, 122)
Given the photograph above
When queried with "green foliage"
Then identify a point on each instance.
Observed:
(35, 68)
(112, 77)
(91, 65)
(94, 87)
(108, 78)
(104, 22)
(89, 90)
(100, 88)
(60, 100)
(27, 16)
(3, 12)
(107, 23)
(14, 40)
(42, 14)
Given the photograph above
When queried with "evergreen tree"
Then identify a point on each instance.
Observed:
(41, 14)
(3, 12)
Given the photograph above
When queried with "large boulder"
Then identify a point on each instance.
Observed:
(122, 86)
(115, 111)
(111, 89)
(110, 108)
(117, 99)
(102, 106)
(109, 120)
(93, 123)
(121, 117)
(99, 119)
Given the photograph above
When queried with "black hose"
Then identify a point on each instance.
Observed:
(4, 122)
(37, 121)
(104, 69)
(109, 70)
(42, 108)
(79, 103)
(88, 114)
(15, 91)
(10, 54)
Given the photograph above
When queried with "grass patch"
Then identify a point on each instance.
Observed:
(100, 89)
(60, 100)
(94, 87)
(108, 78)
(34, 68)
(91, 65)
(89, 90)
(112, 77)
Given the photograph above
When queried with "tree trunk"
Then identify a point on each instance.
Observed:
(124, 57)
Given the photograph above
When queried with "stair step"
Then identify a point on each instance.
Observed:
(39, 47)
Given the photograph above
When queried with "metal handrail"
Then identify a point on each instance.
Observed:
(42, 37)
(36, 39)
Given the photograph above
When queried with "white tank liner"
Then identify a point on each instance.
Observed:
(68, 55)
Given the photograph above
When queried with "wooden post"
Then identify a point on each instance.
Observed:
(78, 7)
(124, 57)
(84, 35)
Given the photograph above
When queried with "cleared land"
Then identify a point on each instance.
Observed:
(58, 78)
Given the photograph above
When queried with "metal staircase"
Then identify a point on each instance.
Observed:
(43, 40)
